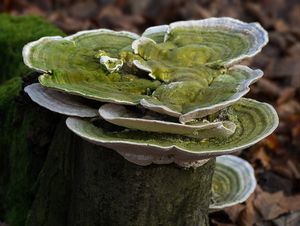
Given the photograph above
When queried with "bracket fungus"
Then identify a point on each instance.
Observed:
(233, 182)
(172, 95)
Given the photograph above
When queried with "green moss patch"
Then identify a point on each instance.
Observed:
(20, 153)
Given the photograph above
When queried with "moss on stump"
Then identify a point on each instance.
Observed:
(15, 32)
(25, 128)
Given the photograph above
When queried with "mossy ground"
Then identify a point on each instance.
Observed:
(21, 146)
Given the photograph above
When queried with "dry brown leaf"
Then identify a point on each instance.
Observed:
(293, 167)
(281, 26)
(267, 86)
(233, 212)
(296, 137)
(294, 50)
(294, 118)
(272, 142)
(282, 170)
(261, 156)
(291, 203)
(268, 204)
(286, 95)
(292, 219)
(288, 108)
(288, 66)
(294, 15)
(255, 10)
(248, 216)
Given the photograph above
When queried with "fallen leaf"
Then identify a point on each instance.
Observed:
(272, 142)
(282, 170)
(281, 26)
(272, 182)
(286, 95)
(268, 204)
(294, 50)
(248, 216)
(267, 86)
(296, 135)
(288, 108)
(291, 203)
(288, 66)
(255, 10)
(292, 219)
(233, 212)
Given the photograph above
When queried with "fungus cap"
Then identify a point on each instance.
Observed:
(119, 115)
(59, 102)
(254, 121)
(233, 182)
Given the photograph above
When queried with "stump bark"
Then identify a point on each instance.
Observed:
(49, 176)
(84, 184)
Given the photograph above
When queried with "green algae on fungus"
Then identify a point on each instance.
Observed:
(119, 115)
(227, 40)
(254, 121)
(184, 70)
(186, 67)
(233, 182)
(78, 70)
(192, 59)
(189, 99)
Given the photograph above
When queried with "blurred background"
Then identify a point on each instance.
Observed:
(276, 159)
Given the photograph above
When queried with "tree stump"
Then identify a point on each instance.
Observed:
(84, 184)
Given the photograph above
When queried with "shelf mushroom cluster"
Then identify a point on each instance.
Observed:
(172, 95)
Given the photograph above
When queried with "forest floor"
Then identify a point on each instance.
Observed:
(276, 200)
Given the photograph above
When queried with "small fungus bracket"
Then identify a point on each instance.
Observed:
(110, 63)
